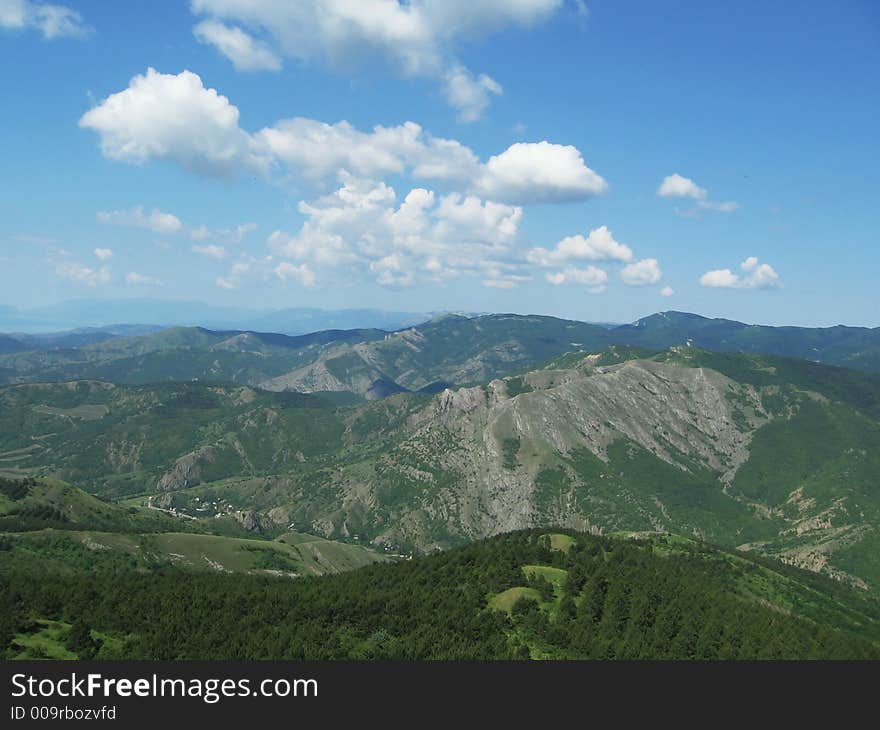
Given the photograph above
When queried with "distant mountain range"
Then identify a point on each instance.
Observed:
(220, 449)
(853, 347)
(101, 313)
(448, 350)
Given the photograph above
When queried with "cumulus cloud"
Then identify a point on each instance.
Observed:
(83, 274)
(599, 245)
(245, 53)
(211, 251)
(667, 291)
(415, 38)
(156, 220)
(243, 268)
(641, 273)
(53, 21)
(362, 227)
(539, 172)
(135, 279)
(677, 186)
(202, 135)
(300, 273)
(318, 150)
(592, 277)
(164, 223)
(756, 276)
(226, 236)
(470, 95)
(104, 253)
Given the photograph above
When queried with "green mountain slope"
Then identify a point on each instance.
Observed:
(178, 354)
(852, 347)
(778, 456)
(372, 363)
(449, 350)
(521, 595)
(47, 524)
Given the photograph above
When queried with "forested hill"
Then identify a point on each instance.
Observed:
(762, 453)
(852, 347)
(529, 594)
(448, 350)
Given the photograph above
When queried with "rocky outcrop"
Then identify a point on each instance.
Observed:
(186, 471)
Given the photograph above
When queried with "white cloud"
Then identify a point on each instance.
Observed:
(211, 251)
(104, 253)
(539, 172)
(599, 245)
(300, 273)
(505, 281)
(757, 276)
(763, 276)
(592, 277)
(720, 279)
(641, 273)
(469, 218)
(200, 234)
(202, 134)
(228, 236)
(725, 207)
(83, 274)
(135, 279)
(53, 21)
(676, 186)
(361, 227)
(415, 38)
(393, 272)
(469, 95)
(156, 221)
(243, 268)
(320, 150)
(667, 291)
(245, 53)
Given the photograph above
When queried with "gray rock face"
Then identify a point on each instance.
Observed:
(452, 455)
(186, 471)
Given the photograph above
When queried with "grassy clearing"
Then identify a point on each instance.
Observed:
(85, 412)
(556, 576)
(560, 542)
(294, 552)
(45, 639)
(506, 600)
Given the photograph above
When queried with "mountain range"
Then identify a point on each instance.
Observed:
(768, 454)
(266, 454)
(104, 313)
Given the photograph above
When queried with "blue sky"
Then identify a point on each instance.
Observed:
(599, 160)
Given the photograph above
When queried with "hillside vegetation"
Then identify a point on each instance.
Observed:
(448, 350)
(522, 595)
(49, 525)
(772, 455)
